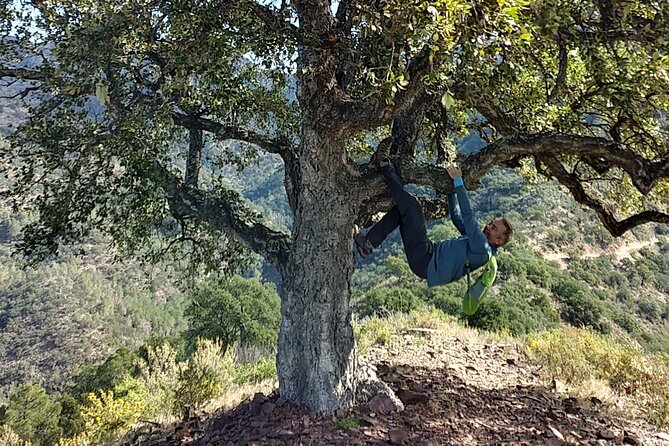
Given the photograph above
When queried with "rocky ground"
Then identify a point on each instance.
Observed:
(456, 391)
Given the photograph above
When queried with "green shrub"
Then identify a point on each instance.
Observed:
(579, 307)
(492, 315)
(627, 322)
(371, 331)
(206, 373)
(351, 421)
(385, 300)
(33, 415)
(108, 414)
(649, 309)
(105, 376)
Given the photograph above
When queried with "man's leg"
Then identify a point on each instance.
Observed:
(382, 229)
(417, 246)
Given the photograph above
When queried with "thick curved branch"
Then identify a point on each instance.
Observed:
(228, 214)
(643, 172)
(22, 73)
(615, 227)
(274, 21)
(344, 17)
(279, 146)
(506, 152)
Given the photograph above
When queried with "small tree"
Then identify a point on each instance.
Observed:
(34, 415)
(233, 311)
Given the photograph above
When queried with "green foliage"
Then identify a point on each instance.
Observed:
(387, 300)
(71, 421)
(204, 376)
(160, 374)
(122, 363)
(110, 413)
(57, 317)
(234, 311)
(372, 331)
(9, 438)
(33, 415)
(262, 370)
(578, 305)
(349, 422)
(649, 308)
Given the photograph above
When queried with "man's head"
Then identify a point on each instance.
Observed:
(498, 232)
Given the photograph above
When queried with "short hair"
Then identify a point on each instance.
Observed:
(508, 233)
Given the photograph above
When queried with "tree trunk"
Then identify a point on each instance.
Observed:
(316, 359)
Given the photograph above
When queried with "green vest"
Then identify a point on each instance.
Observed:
(477, 292)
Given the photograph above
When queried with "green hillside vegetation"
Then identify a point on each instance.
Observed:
(76, 310)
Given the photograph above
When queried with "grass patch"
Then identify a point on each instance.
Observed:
(578, 356)
(350, 422)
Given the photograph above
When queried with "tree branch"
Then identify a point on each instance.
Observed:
(22, 73)
(228, 214)
(506, 152)
(644, 173)
(193, 163)
(615, 227)
(274, 21)
(280, 146)
(562, 68)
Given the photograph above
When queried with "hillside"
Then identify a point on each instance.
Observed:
(76, 310)
(459, 387)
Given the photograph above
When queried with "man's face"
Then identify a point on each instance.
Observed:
(494, 231)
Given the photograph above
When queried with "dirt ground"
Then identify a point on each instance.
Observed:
(456, 392)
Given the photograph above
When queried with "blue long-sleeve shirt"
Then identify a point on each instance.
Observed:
(448, 260)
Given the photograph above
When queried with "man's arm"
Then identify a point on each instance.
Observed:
(471, 226)
(456, 215)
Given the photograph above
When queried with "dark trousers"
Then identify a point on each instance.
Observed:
(408, 215)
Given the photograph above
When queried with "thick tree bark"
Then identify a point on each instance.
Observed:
(316, 357)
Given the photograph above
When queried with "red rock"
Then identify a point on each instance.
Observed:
(398, 436)
(381, 403)
(632, 438)
(410, 397)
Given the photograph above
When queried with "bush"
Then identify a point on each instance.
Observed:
(492, 315)
(206, 373)
(626, 322)
(255, 373)
(110, 413)
(649, 309)
(371, 331)
(9, 438)
(579, 307)
(110, 373)
(385, 300)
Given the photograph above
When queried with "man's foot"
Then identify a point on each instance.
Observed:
(382, 155)
(363, 245)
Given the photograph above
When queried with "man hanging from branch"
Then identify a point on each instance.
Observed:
(441, 262)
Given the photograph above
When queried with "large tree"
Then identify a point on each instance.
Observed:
(134, 103)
